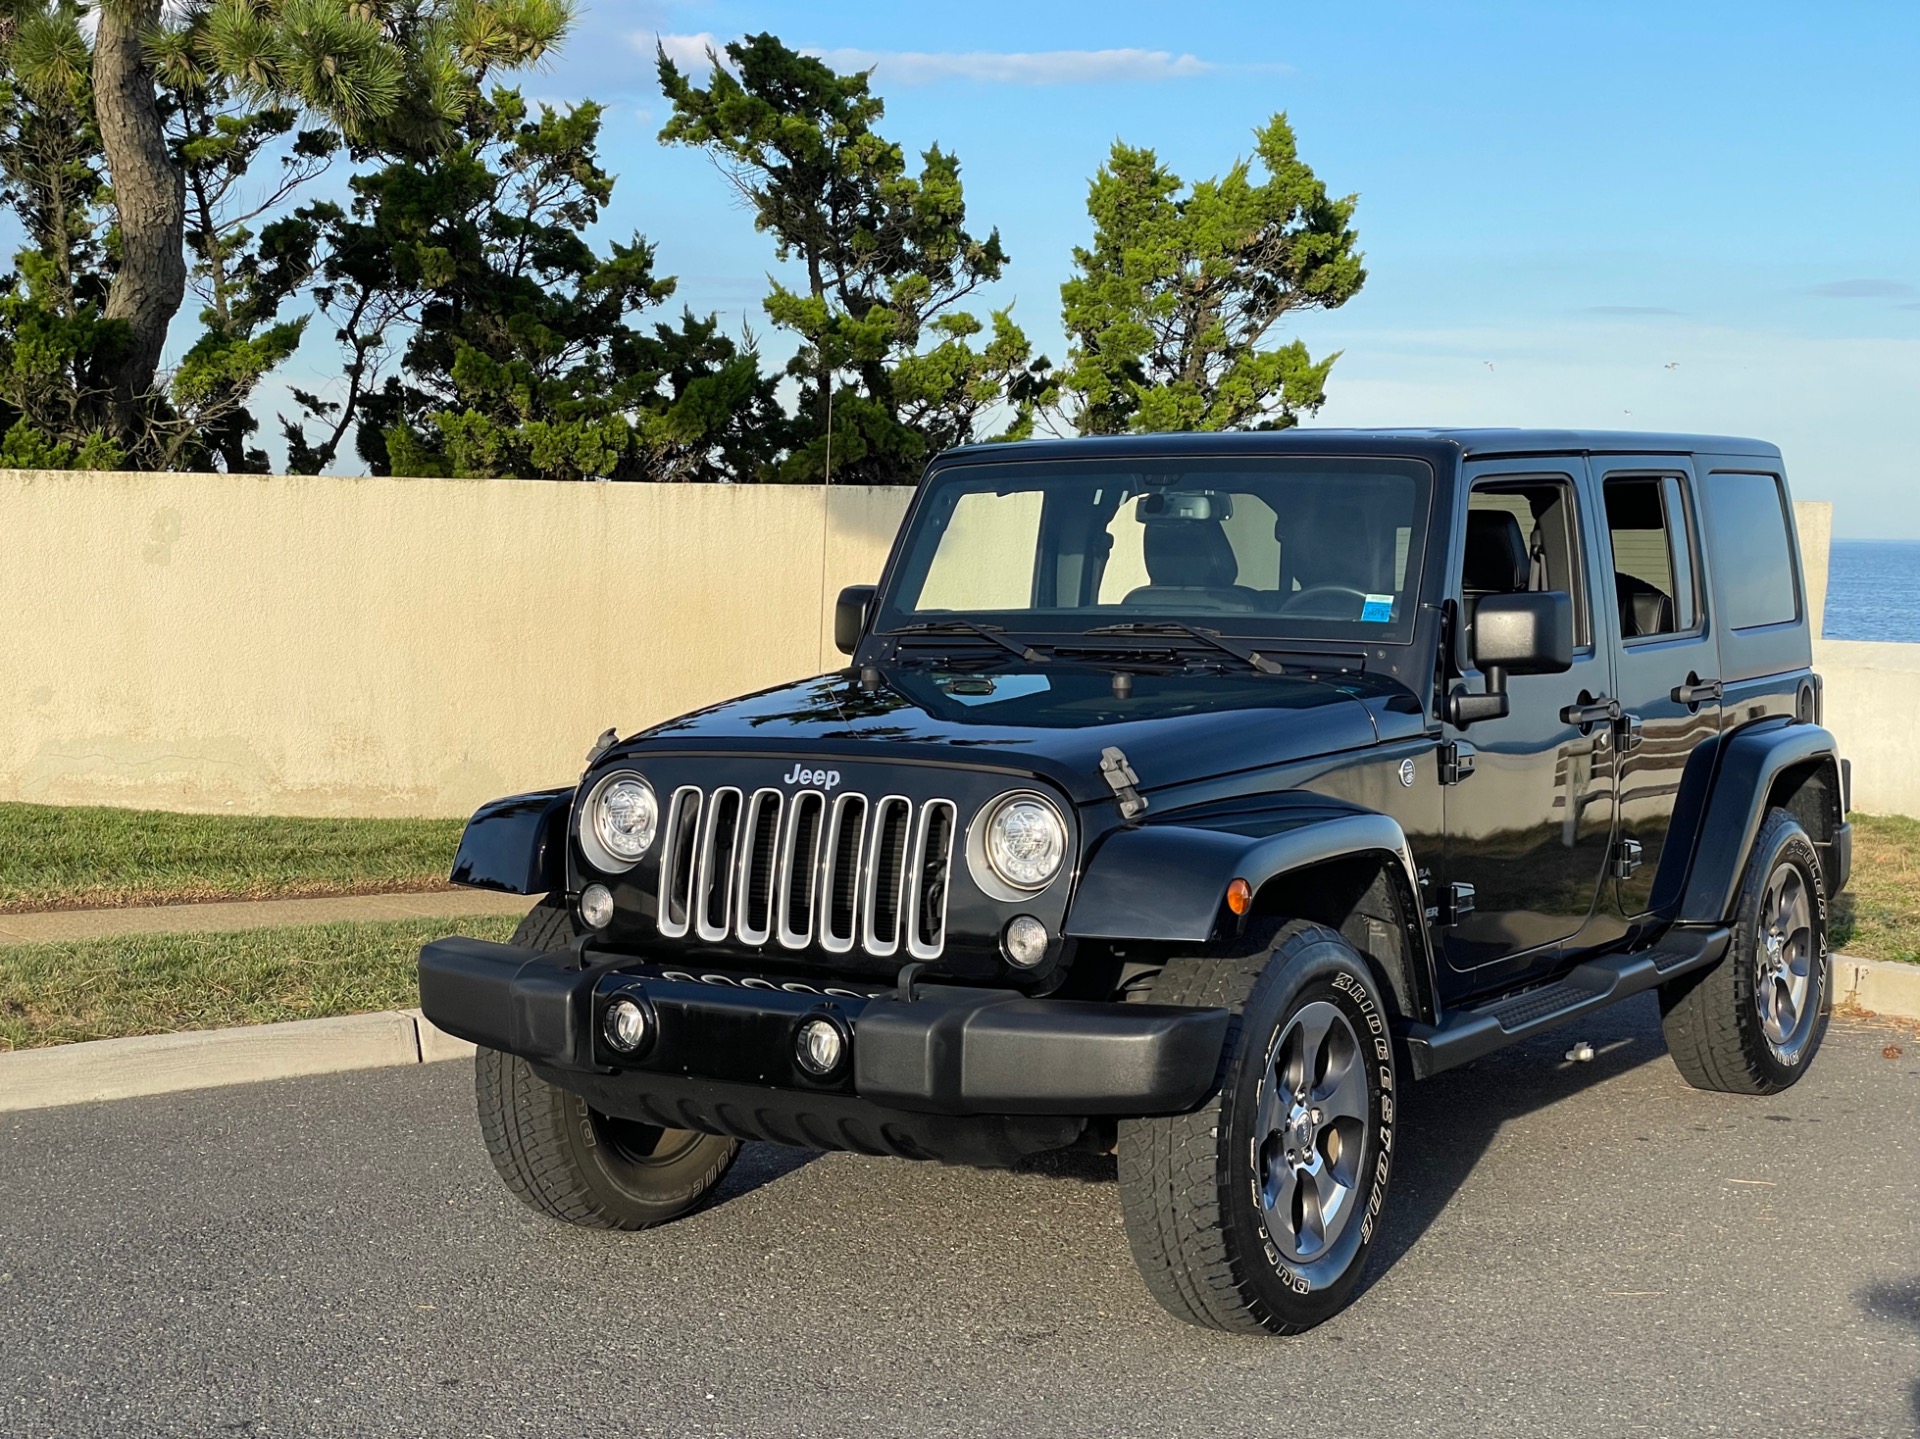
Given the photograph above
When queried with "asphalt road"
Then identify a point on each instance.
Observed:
(1577, 1250)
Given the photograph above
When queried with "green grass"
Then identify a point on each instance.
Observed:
(82, 858)
(160, 983)
(1879, 915)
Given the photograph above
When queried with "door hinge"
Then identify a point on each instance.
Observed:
(1459, 903)
(1630, 733)
(1626, 858)
(1456, 761)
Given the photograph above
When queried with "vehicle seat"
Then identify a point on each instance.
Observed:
(1192, 566)
(1644, 609)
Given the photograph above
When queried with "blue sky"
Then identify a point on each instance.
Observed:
(1666, 216)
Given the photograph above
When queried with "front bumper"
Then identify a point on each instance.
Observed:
(948, 1051)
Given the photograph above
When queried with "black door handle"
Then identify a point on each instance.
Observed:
(1697, 691)
(1599, 711)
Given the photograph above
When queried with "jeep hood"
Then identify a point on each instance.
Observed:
(1052, 722)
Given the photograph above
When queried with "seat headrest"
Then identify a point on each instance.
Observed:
(1496, 561)
(1190, 555)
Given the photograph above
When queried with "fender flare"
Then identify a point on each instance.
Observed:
(1750, 760)
(1168, 882)
(517, 845)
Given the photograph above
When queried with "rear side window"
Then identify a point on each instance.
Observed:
(1652, 555)
(1752, 555)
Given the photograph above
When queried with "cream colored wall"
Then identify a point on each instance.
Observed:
(389, 646)
(1873, 709)
(1814, 521)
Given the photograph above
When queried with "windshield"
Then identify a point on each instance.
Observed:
(1314, 549)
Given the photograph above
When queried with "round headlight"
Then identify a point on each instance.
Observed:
(1026, 841)
(624, 820)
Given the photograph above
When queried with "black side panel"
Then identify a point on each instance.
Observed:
(517, 845)
(1750, 761)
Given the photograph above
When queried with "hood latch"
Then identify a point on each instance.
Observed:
(1120, 777)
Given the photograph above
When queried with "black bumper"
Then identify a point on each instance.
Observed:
(948, 1051)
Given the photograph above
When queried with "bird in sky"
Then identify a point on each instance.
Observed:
(1673, 364)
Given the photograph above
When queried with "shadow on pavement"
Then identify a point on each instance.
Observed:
(1449, 1122)
(758, 1166)
(1898, 1303)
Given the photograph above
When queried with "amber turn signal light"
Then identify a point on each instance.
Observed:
(1239, 896)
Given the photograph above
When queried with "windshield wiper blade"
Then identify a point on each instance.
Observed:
(1211, 638)
(991, 633)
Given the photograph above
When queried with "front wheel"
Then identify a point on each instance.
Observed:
(1256, 1212)
(569, 1161)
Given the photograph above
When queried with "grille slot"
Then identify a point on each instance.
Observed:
(886, 872)
(677, 845)
(714, 878)
(805, 871)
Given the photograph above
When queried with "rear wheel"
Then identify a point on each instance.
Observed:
(570, 1161)
(1752, 1023)
(1256, 1212)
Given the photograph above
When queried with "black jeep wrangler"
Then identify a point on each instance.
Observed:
(1187, 796)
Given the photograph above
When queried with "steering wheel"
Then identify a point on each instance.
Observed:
(1326, 602)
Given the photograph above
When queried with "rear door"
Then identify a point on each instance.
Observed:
(1667, 667)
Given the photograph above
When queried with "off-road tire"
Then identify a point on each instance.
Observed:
(570, 1162)
(1188, 1182)
(1713, 1019)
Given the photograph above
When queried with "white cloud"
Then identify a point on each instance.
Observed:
(986, 67)
(1035, 67)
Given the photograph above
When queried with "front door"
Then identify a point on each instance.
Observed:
(1667, 673)
(1528, 831)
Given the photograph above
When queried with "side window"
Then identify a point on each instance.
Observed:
(1523, 535)
(1652, 556)
(1752, 558)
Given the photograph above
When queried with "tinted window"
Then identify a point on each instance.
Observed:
(1752, 561)
(1521, 535)
(1652, 556)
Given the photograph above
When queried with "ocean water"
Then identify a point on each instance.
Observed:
(1873, 590)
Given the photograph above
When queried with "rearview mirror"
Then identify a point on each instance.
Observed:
(1524, 634)
(850, 616)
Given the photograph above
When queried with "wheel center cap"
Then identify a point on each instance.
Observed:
(1301, 1132)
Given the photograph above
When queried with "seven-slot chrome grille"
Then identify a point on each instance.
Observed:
(807, 870)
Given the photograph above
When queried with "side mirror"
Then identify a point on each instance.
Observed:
(1524, 634)
(850, 616)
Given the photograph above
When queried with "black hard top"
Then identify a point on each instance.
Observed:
(1466, 443)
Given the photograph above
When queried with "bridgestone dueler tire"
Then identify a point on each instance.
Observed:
(1711, 1019)
(570, 1162)
(1187, 1182)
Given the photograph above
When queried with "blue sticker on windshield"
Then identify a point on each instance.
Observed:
(1378, 609)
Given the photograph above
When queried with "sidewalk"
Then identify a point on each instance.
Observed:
(69, 924)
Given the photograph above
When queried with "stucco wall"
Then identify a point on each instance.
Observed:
(387, 646)
(384, 646)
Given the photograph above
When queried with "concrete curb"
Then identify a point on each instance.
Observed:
(1878, 985)
(209, 1058)
(204, 1059)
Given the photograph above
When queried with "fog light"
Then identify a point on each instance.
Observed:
(819, 1045)
(1025, 941)
(625, 1025)
(596, 905)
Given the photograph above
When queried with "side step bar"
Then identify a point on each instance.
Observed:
(1467, 1034)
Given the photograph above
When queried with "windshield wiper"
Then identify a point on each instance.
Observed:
(991, 633)
(1211, 638)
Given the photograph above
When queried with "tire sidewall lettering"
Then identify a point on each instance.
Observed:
(1355, 994)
